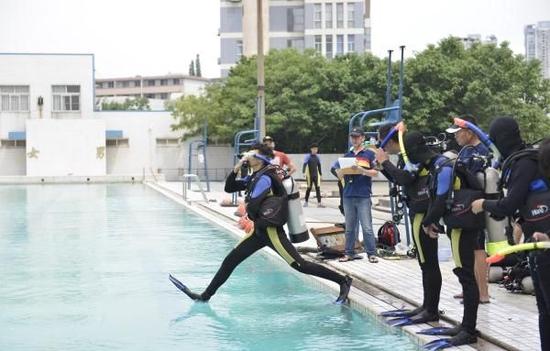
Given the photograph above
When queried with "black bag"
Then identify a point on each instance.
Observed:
(459, 213)
(273, 211)
(536, 212)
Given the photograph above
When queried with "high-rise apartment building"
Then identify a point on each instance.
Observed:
(332, 27)
(537, 45)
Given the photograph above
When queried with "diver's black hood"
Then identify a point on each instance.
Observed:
(416, 148)
(504, 132)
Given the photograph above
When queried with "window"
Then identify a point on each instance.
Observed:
(137, 83)
(319, 44)
(339, 45)
(150, 96)
(121, 142)
(351, 14)
(317, 15)
(164, 82)
(98, 85)
(110, 84)
(298, 20)
(13, 143)
(328, 45)
(66, 97)
(163, 96)
(123, 84)
(177, 81)
(340, 15)
(14, 98)
(351, 43)
(328, 15)
(239, 53)
(297, 44)
(167, 142)
(150, 82)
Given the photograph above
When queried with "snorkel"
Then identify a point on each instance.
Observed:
(389, 136)
(484, 138)
(499, 256)
(401, 129)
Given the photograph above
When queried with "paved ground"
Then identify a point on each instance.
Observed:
(510, 320)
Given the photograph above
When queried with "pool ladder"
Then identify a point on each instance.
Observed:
(187, 184)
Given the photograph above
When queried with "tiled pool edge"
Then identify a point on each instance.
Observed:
(360, 300)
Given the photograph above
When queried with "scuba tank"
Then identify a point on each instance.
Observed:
(296, 223)
(496, 230)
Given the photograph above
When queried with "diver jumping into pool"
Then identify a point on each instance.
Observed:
(266, 205)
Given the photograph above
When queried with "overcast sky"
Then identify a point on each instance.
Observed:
(130, 37)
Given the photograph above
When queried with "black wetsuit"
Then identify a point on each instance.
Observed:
(426, 247)
(312, 170)
(274, 237)
(463, 242)
(522, 174)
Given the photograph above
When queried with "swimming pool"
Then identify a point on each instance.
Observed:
(85, 267)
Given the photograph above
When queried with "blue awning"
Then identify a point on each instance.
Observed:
(113, 134)
(17, 135)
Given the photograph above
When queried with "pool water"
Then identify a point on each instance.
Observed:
(85, 267)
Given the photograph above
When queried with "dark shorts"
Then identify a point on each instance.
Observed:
(480, 242)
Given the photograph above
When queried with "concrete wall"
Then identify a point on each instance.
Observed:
(12, 161)
(65, 147)
(142, 130)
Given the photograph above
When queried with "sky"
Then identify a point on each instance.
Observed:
(131, 37)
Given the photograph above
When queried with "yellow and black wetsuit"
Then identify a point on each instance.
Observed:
(312, 171)
(258, 188)
(463, 242)
(414, 184)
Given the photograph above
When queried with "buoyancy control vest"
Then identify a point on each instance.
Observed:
(418, 193)
(464, 189)
(535, 212)
(270, 209)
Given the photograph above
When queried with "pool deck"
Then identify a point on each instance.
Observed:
(509, 322)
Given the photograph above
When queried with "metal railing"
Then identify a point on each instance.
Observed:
(197, 180)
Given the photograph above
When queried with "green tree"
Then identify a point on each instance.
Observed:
(192, 68)
(311, 99)
(486, 80)
(198, 66)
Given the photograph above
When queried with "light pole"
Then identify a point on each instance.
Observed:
(260, 100)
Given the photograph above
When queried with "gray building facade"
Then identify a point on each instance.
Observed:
(331, 28)
(537, 45)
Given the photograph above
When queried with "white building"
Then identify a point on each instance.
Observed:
(48, 125)
(165, 87)
(537, 45)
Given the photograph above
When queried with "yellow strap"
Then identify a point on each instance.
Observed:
(417, 224)
(423, 172)
(457, 184)
(455, 245)
(274, 238)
